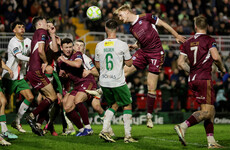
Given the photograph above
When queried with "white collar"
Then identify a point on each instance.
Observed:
(198, 34)
(135, 20)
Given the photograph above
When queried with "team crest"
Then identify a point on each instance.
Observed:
(134, 57)
(140, 22)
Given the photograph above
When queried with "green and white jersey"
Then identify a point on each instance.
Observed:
(111, 54)
(15, 47)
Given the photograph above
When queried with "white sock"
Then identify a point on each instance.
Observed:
(107, 119)
(127, 124)
(149, 115)
(81, 130)
(3, 126)
(88, 126)
(211, 139)
(21, 111)
(184, 125)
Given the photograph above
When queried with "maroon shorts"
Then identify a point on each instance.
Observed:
(84, 85)
(142, 59)
(37, 79)
(203, 90)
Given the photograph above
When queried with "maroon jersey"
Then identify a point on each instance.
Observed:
(196, 49)
(146, 34)
(40, 36)
(75, 74)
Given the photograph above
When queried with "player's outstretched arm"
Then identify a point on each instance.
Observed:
(182, 64)
(179, 38)
(217, 59)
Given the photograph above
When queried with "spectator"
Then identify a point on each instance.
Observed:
(166, 95)
(174, 94)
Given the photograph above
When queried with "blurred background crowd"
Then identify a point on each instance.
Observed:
(172, 89)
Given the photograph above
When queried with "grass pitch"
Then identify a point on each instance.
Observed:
(160, 137)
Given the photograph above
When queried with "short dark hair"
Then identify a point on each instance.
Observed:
(14, 24)
(35, 20)
(66, 40)
(111, 24)
(80, 41)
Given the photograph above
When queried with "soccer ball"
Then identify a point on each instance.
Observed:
(93, 13)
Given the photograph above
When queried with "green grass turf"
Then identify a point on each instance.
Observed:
(160, 137)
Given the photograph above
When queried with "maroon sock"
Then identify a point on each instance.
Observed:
(191, 121)
(42, 116)
(42, 106)
(150, 102)
(74, 117)
(208, 125)
(83, 113)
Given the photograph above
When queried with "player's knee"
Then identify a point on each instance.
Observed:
(68, 108)
(49, 69)
(3, 102)
(30, 98)
(96, 107)
(204, 115)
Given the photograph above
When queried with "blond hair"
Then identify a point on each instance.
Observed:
(123, 7)
(201, 22)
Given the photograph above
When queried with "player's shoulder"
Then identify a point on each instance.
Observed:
(144, 15)
(27, 39)
(41, 31)
(100, 43)
(208, 37)
(76, 55)
(13, 40)
(121, 43)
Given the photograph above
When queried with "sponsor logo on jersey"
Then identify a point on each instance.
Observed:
(15, 50)
(109, 43)
(43, 37)
(108, 76)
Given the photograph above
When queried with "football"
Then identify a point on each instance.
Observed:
(93, 13)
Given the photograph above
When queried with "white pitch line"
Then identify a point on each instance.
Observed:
(173, 141)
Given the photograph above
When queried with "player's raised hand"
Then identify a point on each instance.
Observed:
(181, 39)
(58, 39)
